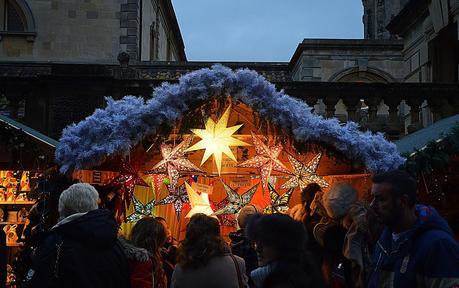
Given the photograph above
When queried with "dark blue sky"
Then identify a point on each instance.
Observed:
(262, 30)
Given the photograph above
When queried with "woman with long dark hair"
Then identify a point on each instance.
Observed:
(205, 260)
(280, 245)
(143, 253)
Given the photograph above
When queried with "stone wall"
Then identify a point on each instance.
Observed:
(95, 31)
(359, 60)
(376, 15)
(77, 30)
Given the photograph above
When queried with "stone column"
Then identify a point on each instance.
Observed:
(330, 103)
(393, 101)
(373, 103)
(415, 107)
(351, 103)
(311, 101)
(14, 97)
(436, 105)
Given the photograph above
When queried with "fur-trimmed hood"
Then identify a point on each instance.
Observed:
(134, 253)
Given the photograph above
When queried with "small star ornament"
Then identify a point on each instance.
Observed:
(227, 220)
(279, 204)
(266, 159)
(217, 139)
(140, 210)
(124, 185)
(236, 201)
(305, 174)
(199, 202)
(174, 162)
(177, 196)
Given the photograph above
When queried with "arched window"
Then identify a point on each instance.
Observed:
(15, 16)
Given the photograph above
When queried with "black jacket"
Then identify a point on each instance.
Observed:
(241, 246)
(81, 251)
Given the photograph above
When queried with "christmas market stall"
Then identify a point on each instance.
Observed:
(213, 143)
(433, 158)
(25, 155)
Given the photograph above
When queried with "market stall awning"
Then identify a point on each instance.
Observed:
(29, 131)
(421, 138)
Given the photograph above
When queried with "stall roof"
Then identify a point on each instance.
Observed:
(29, 131)
(421, 138)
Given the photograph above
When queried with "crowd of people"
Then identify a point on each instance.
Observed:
(329, 240)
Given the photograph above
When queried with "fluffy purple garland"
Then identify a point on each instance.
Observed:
(124, 123)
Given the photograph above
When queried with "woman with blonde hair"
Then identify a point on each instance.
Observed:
(143, 253)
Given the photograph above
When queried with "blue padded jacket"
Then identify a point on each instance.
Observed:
(425, 256)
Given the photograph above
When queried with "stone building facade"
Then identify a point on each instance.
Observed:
(397, 80)
(89, 31)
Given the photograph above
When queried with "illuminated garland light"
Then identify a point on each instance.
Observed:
(216, 139)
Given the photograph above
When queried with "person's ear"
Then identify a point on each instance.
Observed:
(404, 201)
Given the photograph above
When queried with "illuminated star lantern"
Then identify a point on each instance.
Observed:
(140, 210)
(266, 159)
(129, 178)
(199, 202)
(304, 174)
(279, 204)
(174, 162)
(216, 139)
(228, 220)
(177, 196)
(236, 201)
(124, 185)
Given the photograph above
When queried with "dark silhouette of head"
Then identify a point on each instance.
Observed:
(394, 193)
(280, 239)
(202, 242)
(308, 193)
(150, 234)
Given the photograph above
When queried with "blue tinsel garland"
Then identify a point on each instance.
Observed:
(124, 123)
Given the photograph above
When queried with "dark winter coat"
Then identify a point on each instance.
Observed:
(81, 251)
(286, 274)
(140, 265)
(219, 272)
(426, 256)
(241, 246)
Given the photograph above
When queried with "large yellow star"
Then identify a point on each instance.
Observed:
(216, 139)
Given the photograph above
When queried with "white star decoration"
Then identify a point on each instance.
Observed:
(174, 162)
(266, 159)
(199, 202)
(304, 174)
(216, 139)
